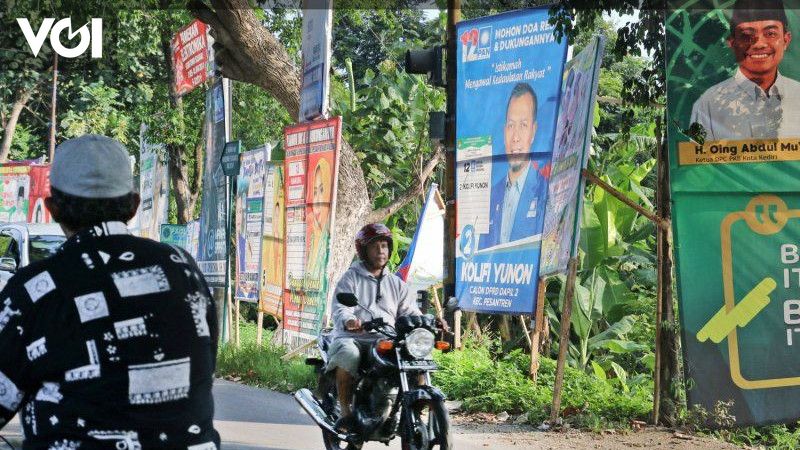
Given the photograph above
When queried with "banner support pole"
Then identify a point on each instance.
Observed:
(538, 326)
(563, 341)
(658, 221)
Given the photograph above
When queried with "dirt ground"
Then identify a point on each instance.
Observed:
(506, 436)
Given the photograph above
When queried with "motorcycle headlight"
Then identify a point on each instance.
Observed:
(419, 343)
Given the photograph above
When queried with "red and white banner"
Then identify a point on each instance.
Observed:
(190, 57)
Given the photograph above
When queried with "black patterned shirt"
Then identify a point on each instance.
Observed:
(109, 344)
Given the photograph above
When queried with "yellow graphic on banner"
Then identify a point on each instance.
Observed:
(766, 215)
(745, 151)
(725, 321)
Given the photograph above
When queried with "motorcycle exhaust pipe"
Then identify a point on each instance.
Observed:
(313, 408)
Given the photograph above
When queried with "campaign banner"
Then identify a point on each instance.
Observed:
(570, 155)
(15, 190)
(213, 209)
(175, 234)
(316, 51)
(273, 242)
(249, 221)
(423, 265)
(153, 188)
(40, 190)
(193, 237)
(733, 102)
(509, 69)
(311, 167)
(190, 57)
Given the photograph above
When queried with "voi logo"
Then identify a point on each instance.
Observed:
(87, 37)
(476, 44)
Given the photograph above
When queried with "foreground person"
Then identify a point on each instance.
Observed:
(110, 343)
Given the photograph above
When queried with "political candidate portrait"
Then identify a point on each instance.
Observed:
(758, 101)
(516, 203)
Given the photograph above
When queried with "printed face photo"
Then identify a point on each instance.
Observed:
(759, 46)
(519, 131)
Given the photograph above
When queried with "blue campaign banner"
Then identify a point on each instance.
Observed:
(509, 79)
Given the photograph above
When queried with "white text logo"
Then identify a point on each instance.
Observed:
(93, 37)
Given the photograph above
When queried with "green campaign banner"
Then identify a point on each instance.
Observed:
(733, 106)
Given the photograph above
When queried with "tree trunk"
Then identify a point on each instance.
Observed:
(10, 125)
(178, 170)
(667, 409)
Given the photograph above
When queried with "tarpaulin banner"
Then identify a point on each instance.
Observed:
(153, 188)
(15, 191)
(211, 245)
(423, 265)
(733, 103)
(509, 75)
(249, 220)
(311, 168)
(570, 155)
(40, 190)
(193, 237)
(190, 57)
(273, 241)
(316, 51)
(175, 234)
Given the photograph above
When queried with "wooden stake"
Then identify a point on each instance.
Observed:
(298, 350)
(563, 342)
(658, 221)
(659, 316)
(538, 326)
(236, 324)
(259, 329)
(457, 329)
(525, 331)
(437, 305)
(472, 324)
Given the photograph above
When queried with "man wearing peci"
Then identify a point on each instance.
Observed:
(758, 102)
(514, 208)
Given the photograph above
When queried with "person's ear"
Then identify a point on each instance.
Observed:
(787, 37)
(135, 200)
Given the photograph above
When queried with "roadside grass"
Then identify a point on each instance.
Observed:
(482, 381)
(262, 365)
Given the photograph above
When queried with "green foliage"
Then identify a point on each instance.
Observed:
(97, 111)
(262, 366)
(488, 383)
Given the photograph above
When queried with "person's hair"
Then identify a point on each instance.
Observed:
(78, 213)
(519, 90)
(758, 10)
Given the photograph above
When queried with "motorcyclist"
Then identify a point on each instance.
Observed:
(381, 294)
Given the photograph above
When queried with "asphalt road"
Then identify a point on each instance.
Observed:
(250, 418)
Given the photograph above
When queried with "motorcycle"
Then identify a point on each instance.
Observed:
(394, 396)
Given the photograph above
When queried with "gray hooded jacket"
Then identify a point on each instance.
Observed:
(395, 299)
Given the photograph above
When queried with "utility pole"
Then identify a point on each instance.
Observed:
(453, 17)
(53, 101)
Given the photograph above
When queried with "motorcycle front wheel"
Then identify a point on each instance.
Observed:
(430, 429)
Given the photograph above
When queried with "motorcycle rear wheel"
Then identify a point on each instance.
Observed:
(430, 434)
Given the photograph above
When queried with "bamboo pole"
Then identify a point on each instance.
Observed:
(457, 329)
(259, 329)
(525, 331)
(563, 342)
(236, 323)
(658, 221)
(538, 326)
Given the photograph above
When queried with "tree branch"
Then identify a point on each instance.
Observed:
(414, 191)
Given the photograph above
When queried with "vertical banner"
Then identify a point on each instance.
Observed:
(249, 220)
(273, 241)
(190, 56)
(509, 74)
(733, 102)
(311, 168)
(40, 190)
(153, 188)
(423, 265)
(570, 155)
(316, 49)
(173, 234)
(193, 238)
(15, 192)
(211, 244)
